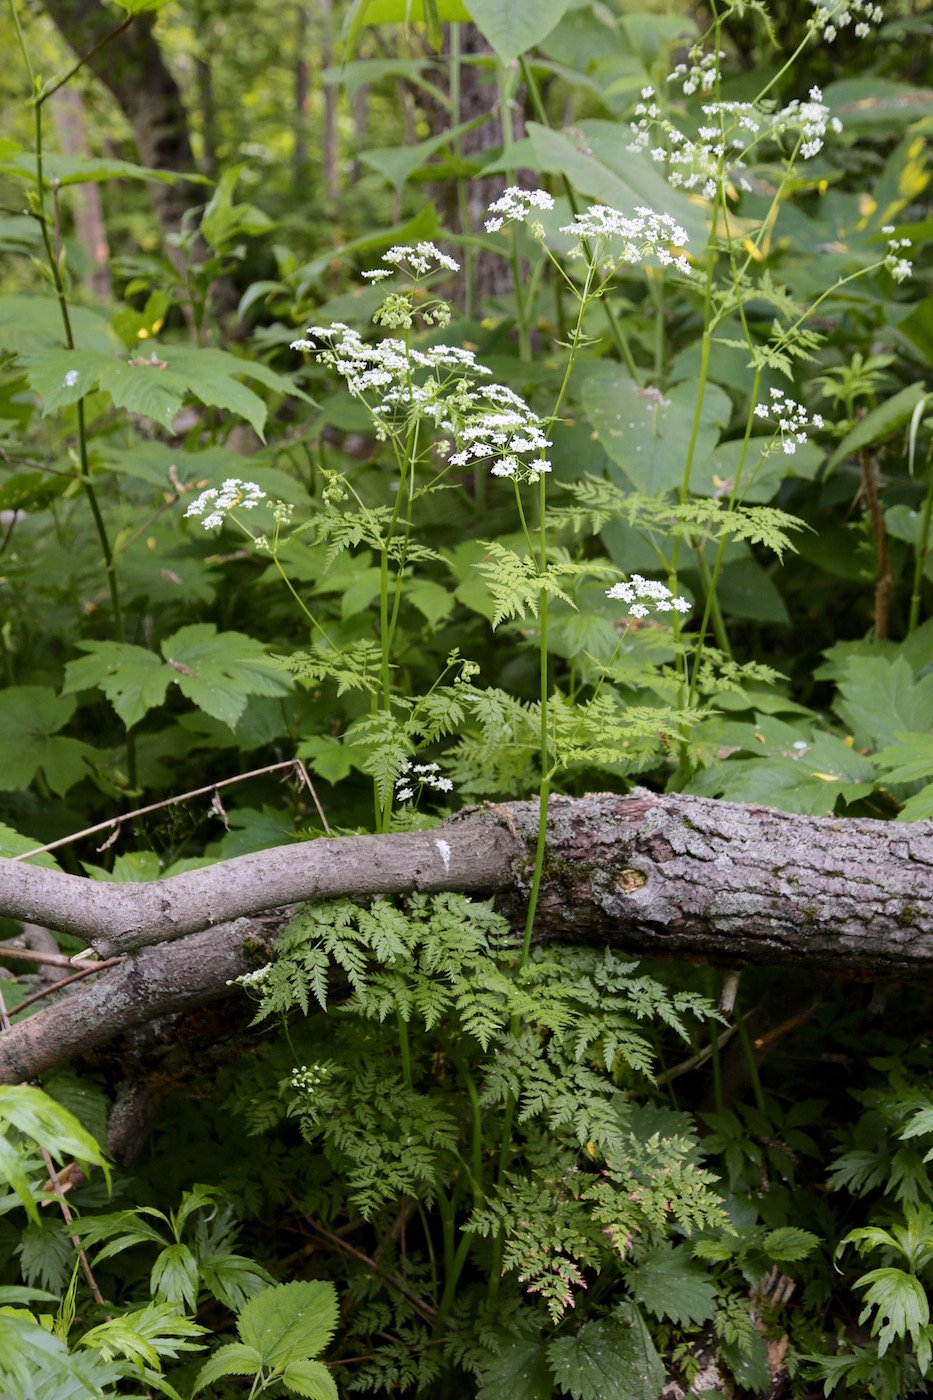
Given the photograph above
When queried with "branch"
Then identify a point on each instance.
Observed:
(665, 875)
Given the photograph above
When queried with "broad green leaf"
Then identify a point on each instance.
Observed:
(83, 1098)
(364, 12)
(39, 1118)
(13, 843)
(789, 1244)
(867, 103)
(748, 1365)
(887, 418)
(217, 671)
(645, 433)
(909, 759)
(29, 323)
(290, 1321)
(515, 26)
(223, 219)
(31, 491)
(670, 1284)
(80, 170)
(133, 679)
(231, 1360)
(310, 1378)
(518, 1369)
(398, 163)
(141, 7)
(30, 717)
(608, 1360)
(879, 698)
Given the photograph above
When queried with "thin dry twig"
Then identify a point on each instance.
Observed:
(695, 1061)
(294, 764)
(4, 1018)
(66, 981)
(66, 1212)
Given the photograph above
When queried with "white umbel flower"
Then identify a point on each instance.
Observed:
(234, 494)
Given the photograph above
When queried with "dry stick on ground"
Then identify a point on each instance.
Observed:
(66, 1212)
(677, 875)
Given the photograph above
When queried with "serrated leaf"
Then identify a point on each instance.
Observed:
(518, 1369)
(900, 1303)
(235, 1359)
(879, 698)
(217, 671)
(13, 843)
(47, 1123)
(608, 1360)
(788, 1244)
(290, 1321)
(30, 717)
(310, 1378)
(174, 1277)
(133, 679)
(669, 1283)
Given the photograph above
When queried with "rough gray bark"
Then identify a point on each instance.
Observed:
(665, 875)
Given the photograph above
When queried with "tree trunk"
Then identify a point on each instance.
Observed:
(131, 67)
(68, 114)
(666, 875)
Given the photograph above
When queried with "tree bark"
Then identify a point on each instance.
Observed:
(131, 67)
(68, 113)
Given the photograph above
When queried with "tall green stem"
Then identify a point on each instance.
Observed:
(921, 559)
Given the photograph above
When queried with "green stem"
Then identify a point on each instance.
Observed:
(53, 259)
(505, 116)
(404, 1049)
(921, 559)
(749, 1059)
(469, 278)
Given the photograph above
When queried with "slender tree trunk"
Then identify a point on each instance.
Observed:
(302, 98)
(68, 115)
(329, 135)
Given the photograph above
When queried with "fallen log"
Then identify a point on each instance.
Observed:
(662, 875)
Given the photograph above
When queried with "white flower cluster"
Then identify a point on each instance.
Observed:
(500, 425)
(792, 419)
(515, 206)
(385, 366)
(420, 258)
(234, 494)
(644, 234)
(811, 118)
(307, 1078)
(717, 154)
(699, 74)
(258, 980)
(829, 19)
(642, 594)
(71, 378)
(899, 267)
(420, 775)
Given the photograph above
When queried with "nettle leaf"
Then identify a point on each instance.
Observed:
(518, 1369)
(13, 843)
(30, 718)
(788, 1244)
(231, 1360)
(133, 679)
(670, 1284)
(608, 1360)
(310, 1378)
(879, 698)
(217, 671)
(45, 1122)
(289, 1322)
(155, 385)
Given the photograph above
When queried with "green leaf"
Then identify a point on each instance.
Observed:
(290, 1321)
(310, 1378)
(514, 26)
(66, 170)
(887, 418)
(909, 759)
(141, 7)
(608, 1360)
(398, 163)
(879, 698)
(174, 1277)
(13, 843)
(30, 717)
(669, 1283)
(231, 1360)
(647, 434)
(40, 1118)
(518, 1369)
(900, 1303)
(224, 220)
(363, 12)
(217, 671)
(788, 1244)
(133, 679)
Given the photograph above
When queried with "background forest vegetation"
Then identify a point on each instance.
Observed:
(560, 501)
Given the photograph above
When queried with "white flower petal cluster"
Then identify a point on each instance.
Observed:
(792, 419)
(419, 776)
(830, 19)
(495, 423)
(515, 205)
(257, 980)
(306, 1078)
(71, 378)
(385, 367)
(699, 74)
(811, 119)
(420, 258)
(643, 594)
(643, 234)
(234, 494)
(716, 156)
(898, 266)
